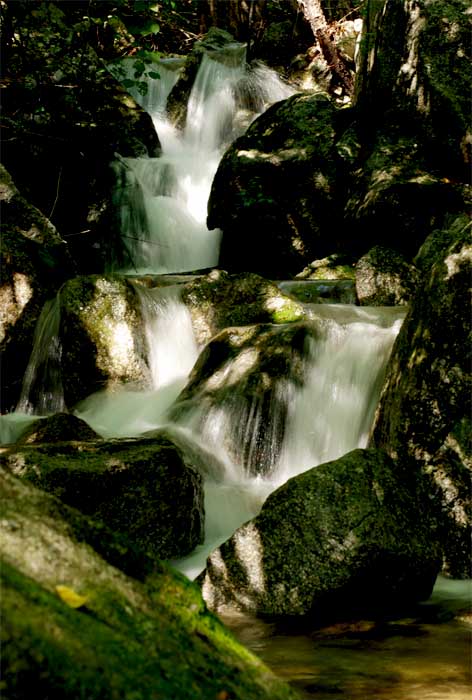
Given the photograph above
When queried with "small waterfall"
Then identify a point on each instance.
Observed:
(42, 392)
(162, 202)
(172, 352)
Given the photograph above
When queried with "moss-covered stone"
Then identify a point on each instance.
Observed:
(339, 539)
(59, 427)
(146, 490)
(384, 278)
(428, 387)
(129, 639)
(219, 300)
(102, 336)
(333, 267)
(240, 387)
(274, 194)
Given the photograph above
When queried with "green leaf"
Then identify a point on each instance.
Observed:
(152, 74)
(127, 82)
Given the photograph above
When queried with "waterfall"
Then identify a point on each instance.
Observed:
(42, 391)
(162, 202)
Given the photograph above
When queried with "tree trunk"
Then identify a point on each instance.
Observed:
(314, 14)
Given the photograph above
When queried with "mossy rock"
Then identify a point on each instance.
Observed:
(384, 278)
(60, 427)
(428, 386)
(334, 267)
(128, 639)
(102, 336)
(339, 540)
(246, 373)
(275, 192)
(128, 485)
(219, 300)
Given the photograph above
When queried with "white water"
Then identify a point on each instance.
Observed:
(166, 203)
(163, 201)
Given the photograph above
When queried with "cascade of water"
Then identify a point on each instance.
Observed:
(42, 391)
(163, 201)
(172, 352)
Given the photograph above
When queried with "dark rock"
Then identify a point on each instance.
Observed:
(151, 639)
(274, 194)
(428, 389)
(240, 388)
(34, 261)
(416, 70)
(219, 300)
(341, 538)
(60, 427)
(140, 488)
(384, 278)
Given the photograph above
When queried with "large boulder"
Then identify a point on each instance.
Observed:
(425, 406)
(144, 489)
(341, 538)
(413, 114)
(416, 73)
(75, 626)
(384, 278)
(238, 393)
(219, 300)
(66, 117)
(275, 192)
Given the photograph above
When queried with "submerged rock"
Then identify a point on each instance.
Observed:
(142, 489)
(384, 278)
(240, 389)
(75, 626)
(220, 300)
(427, 394)
(341, 538)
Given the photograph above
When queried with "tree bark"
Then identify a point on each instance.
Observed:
(314, 14)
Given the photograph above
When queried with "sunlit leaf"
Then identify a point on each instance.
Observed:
(70, 597)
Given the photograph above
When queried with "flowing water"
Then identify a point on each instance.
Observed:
(162, 204)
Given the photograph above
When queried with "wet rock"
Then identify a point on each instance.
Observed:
(274, 194)
(340, 538)
(60, 427)
(428, 389)
(317, 291)
(141, 489)
(34, 261)
(240, 388)
(333, 267)
(102, 336)
(384, 278)
(128, 636)
(219, 300)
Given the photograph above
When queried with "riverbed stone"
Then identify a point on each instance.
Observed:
(427, 394)
(143, 489)
(384, 278)
(74, 626)
(341, 538)
(219, 300)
